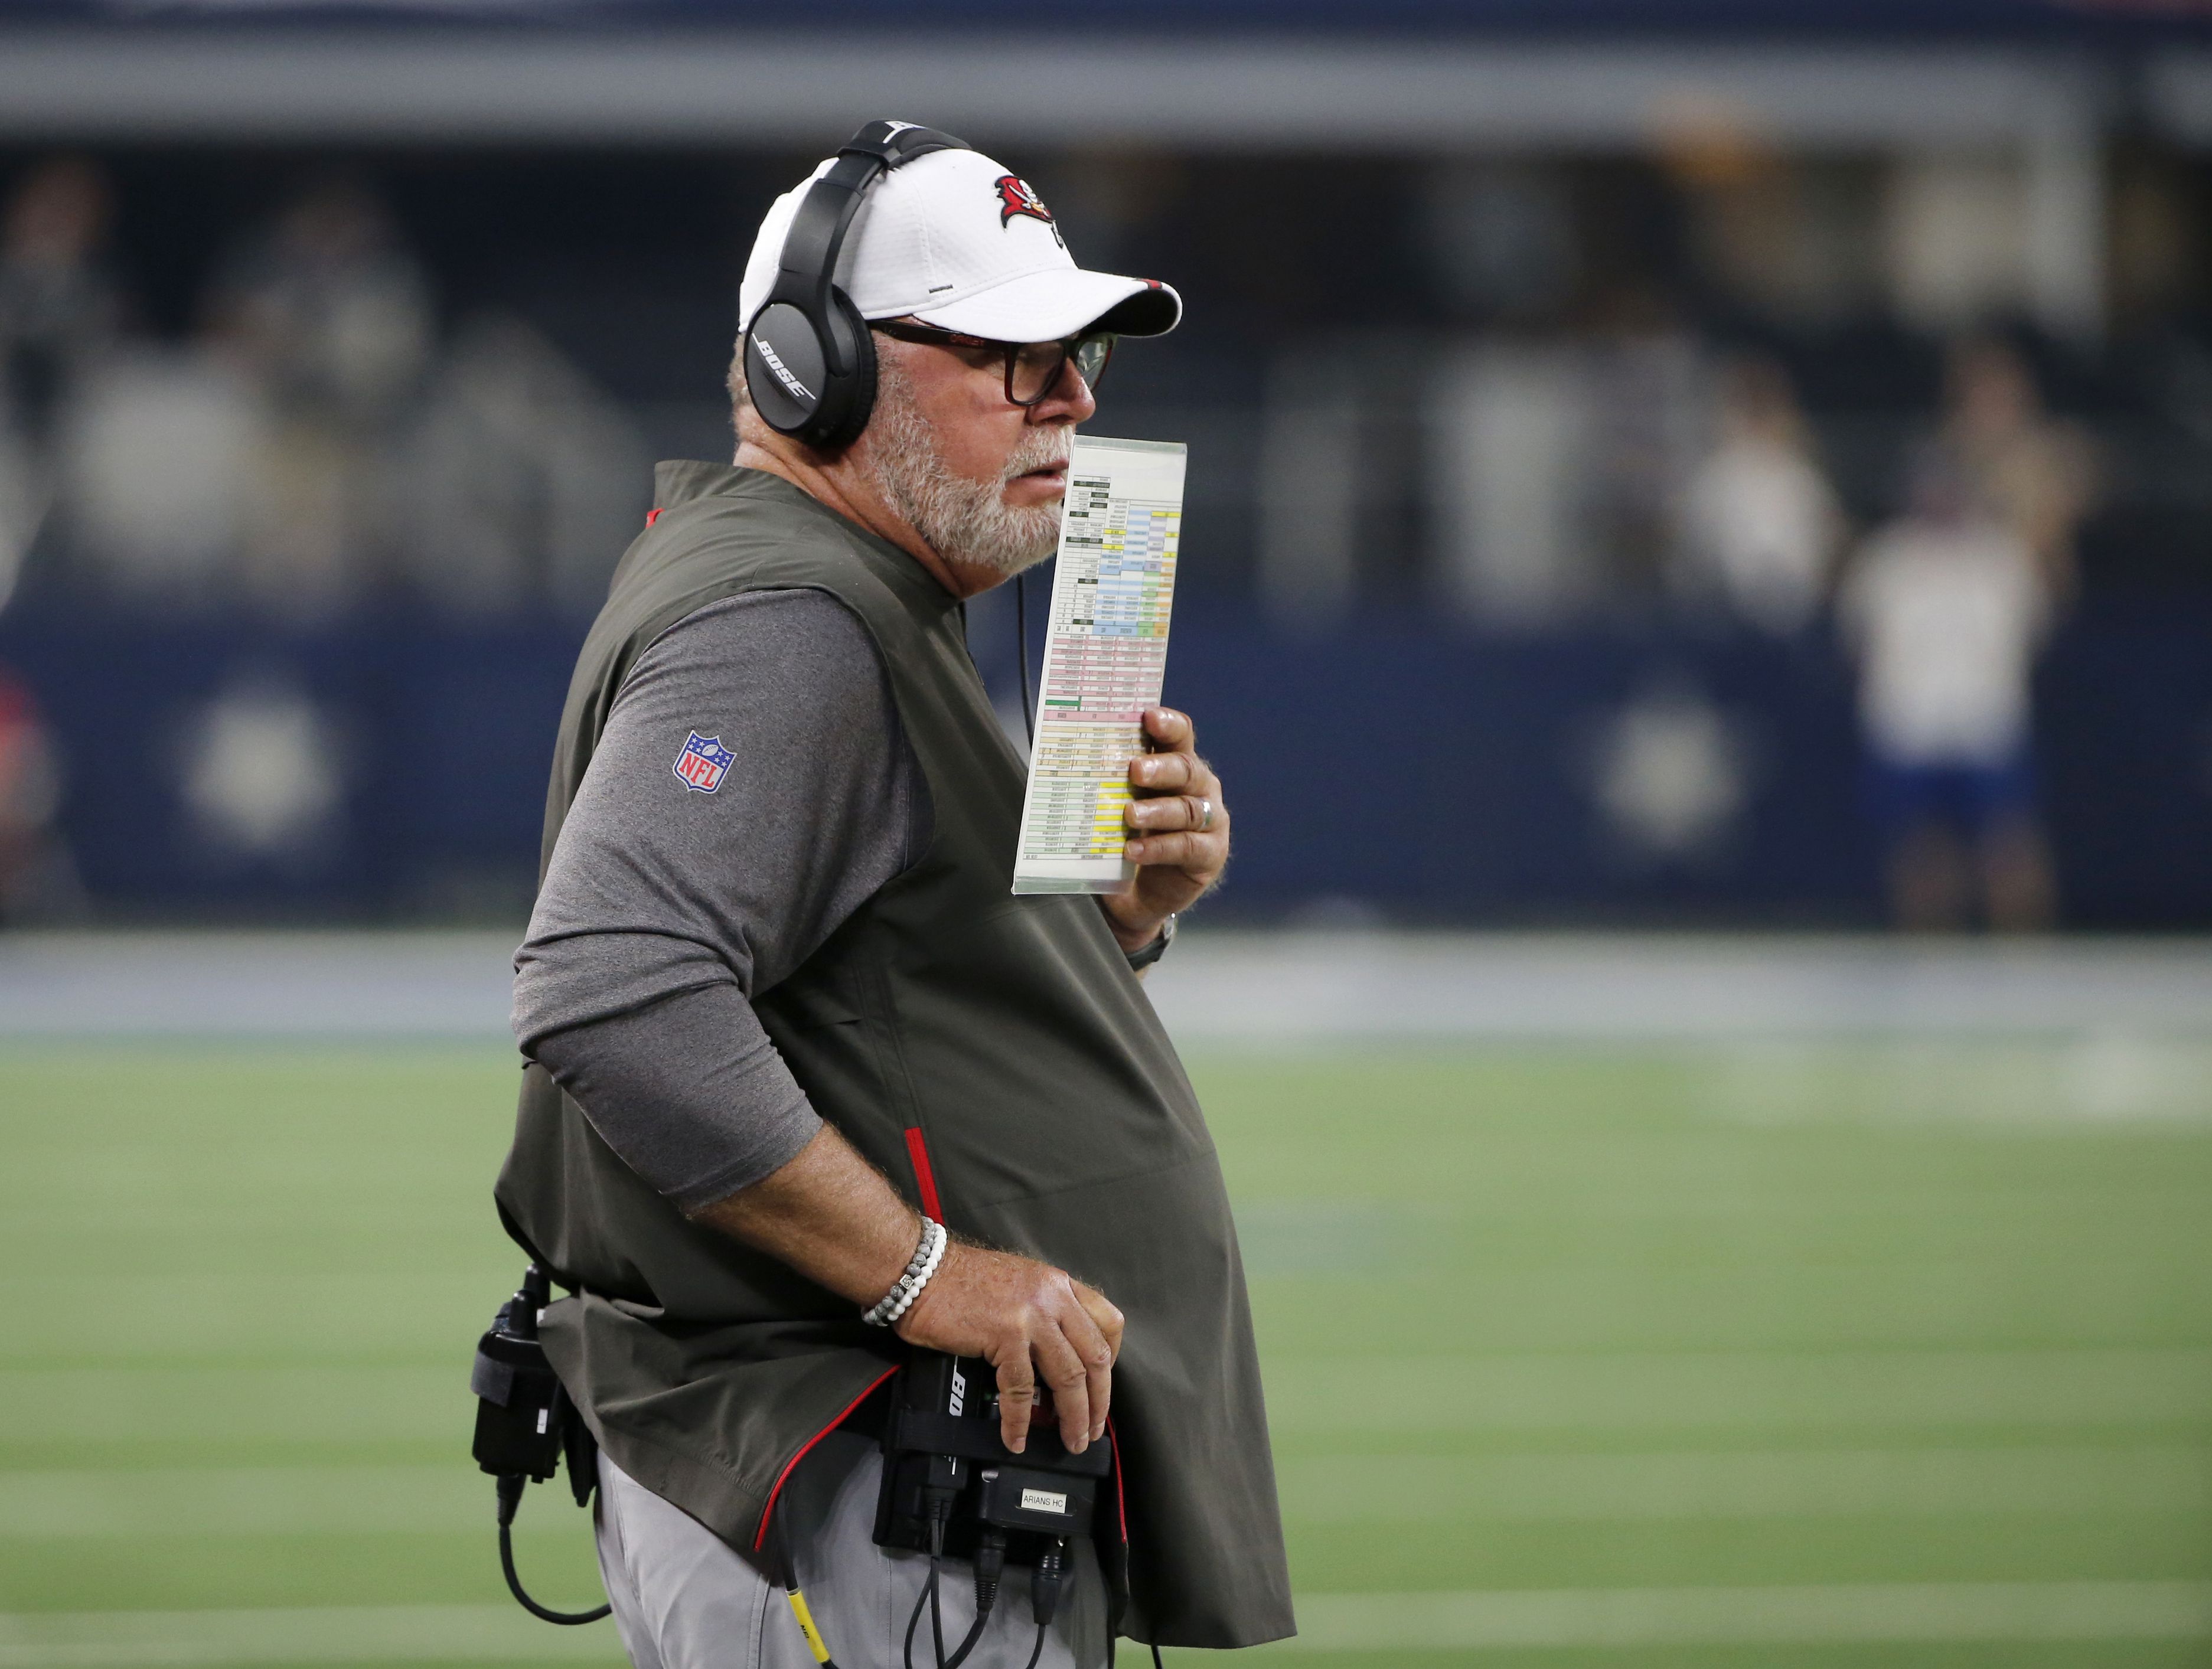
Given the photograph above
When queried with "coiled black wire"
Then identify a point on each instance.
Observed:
(514, 1587)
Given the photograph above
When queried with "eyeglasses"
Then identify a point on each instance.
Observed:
(1033, 369)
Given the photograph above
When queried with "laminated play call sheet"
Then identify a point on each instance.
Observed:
(1105, 654)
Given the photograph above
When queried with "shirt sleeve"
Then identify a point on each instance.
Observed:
(673, 900)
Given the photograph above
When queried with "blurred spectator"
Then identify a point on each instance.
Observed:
(58, 313)
(1508, 439)
(330, 311)
(36, 881)
(1945, 609)
(1760, 522)
(1553, 463)
(1646, 400)
(24, 500)
(160, 451)
(58, 308)
(332, 319)
(526, 481)
(2033, 472)
(1312, 452)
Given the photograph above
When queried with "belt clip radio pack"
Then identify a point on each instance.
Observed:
(951, 1486)
(526, 1424)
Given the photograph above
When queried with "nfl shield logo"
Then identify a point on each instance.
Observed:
(701, 763)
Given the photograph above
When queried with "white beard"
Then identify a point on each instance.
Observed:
(964, 521)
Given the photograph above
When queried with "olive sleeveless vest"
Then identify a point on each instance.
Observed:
(992, 1055)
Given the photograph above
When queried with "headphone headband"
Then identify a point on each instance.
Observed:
(899, 142)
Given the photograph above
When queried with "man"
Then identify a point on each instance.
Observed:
(1761, 520)
(1946, 608)
(782, 1007)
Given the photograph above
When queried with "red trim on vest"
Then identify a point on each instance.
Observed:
(651, 517)
(843, 1415)
(924, 1178)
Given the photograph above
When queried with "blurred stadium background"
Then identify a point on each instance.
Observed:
(1657, 1263)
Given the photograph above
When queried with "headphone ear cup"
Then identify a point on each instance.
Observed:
(785, 371)
(848, 402)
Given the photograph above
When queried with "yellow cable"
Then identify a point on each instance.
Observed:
(806, 1624)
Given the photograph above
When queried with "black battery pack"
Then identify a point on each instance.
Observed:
(940, 1438)
(526, 1424)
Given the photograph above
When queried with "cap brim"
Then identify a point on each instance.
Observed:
(1046, 307)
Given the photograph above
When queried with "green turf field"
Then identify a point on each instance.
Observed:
(1826, 1355)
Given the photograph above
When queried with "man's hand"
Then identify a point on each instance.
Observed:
(833, 1217)
(1179, 830)
(1031, 1323)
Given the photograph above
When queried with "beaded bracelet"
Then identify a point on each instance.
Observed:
(928, 1269)
(880, 1313)
(927, 1254)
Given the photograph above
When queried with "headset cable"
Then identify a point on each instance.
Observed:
(510, 1498)
(1021, 653)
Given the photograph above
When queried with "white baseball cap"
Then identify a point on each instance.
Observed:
(955, 240)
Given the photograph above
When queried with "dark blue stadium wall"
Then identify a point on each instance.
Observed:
(1429, 774)
(1425, 773)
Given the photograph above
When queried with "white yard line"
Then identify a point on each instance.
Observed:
(1871, 1614)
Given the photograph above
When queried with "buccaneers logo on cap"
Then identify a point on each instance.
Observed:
(1017, 197)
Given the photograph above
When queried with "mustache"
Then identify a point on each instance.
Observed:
(1044, 450)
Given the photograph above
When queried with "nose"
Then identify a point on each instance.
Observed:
(1070, 401)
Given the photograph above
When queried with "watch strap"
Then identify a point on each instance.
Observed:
(1144, 956)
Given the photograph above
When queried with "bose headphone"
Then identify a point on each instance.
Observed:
(810, 361)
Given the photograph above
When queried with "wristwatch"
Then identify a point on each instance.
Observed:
(1145, 955)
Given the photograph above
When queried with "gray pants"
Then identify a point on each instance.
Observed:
(685, 1599)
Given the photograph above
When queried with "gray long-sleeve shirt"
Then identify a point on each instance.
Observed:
(666, 907)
